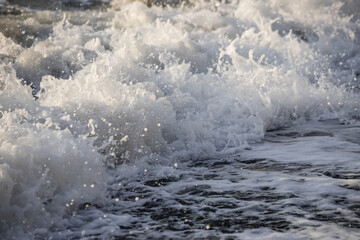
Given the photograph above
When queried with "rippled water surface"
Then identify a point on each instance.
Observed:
(179, 119)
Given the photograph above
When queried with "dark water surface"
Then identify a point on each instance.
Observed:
(285, 187)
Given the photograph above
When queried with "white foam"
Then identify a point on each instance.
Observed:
(202, 80)
(43, 167)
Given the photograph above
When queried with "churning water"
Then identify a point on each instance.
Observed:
(187, 120)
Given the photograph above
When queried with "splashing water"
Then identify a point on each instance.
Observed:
(89, 89)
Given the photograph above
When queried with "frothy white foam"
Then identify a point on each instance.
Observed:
(44, 169)
(136, 83)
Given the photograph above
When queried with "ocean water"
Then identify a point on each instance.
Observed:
(202, 119)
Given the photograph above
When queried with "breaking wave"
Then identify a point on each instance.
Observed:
(82, 91)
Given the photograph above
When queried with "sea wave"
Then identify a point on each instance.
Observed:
(80, 89)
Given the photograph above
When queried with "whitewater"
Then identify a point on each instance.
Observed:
(198, 119)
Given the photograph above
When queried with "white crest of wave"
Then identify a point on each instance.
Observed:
(45, 170)
(145, 83)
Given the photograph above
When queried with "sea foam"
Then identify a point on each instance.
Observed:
(97, 89)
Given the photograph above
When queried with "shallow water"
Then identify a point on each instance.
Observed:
(300, 183)
(200, 120)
